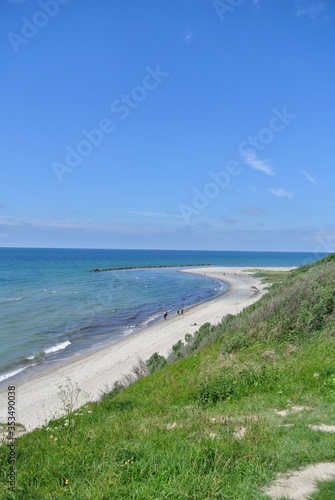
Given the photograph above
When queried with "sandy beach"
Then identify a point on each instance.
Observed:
(36, 397)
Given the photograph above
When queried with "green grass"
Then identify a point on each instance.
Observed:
(172, 434)
(269, 276)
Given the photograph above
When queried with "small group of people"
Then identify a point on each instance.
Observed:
(179, 311)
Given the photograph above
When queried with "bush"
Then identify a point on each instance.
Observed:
(238, 341)
(177, 348)
(212, 391)
(117, 389)
(240, 384)
(155, 362)
(204, 332)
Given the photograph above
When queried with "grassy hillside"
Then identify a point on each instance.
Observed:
(207, 425)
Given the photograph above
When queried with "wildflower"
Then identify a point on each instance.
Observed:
(56, 439)
(66, 482)
(316, 375)
(89, 411)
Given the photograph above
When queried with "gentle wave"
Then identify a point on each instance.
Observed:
(57, 347)
(10, 300)
(128, 329)
(5, 376)
(151, 318)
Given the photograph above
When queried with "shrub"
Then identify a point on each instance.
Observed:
(238, 341)
(238, 384)
(155, 362)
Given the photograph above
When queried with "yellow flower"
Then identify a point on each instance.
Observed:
(66, 482)
(125, 463)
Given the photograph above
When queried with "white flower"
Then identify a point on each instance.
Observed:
(56, 439)
(316, 375)
(89, 411)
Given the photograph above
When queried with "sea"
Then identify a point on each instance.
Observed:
(53, 308)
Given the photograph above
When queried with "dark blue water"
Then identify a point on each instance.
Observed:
(52, 307)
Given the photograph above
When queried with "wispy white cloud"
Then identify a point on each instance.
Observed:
(224, 224)
(120, 226)
(188, 37)
(156, 214)
(251, 210)
(308, 176)
(312, 10)
(262, 165)
(281, 193)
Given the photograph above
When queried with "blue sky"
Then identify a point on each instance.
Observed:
(187, 124)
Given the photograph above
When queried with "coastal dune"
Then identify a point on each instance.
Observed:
(37, 398)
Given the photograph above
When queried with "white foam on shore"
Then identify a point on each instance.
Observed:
(151, 318)
(128, 329)
(57, 347)
(5, 376)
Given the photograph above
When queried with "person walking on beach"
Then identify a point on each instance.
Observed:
(165, 315)
(178, 311)
(182, 311)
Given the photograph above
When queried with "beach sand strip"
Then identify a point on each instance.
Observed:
(36, 397)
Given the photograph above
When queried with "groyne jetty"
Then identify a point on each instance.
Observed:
(146, 267)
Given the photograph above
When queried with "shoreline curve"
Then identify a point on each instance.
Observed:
(96, 372)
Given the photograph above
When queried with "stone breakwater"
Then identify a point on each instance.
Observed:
(145, 267)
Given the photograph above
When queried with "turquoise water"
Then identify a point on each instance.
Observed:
(53, 308)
